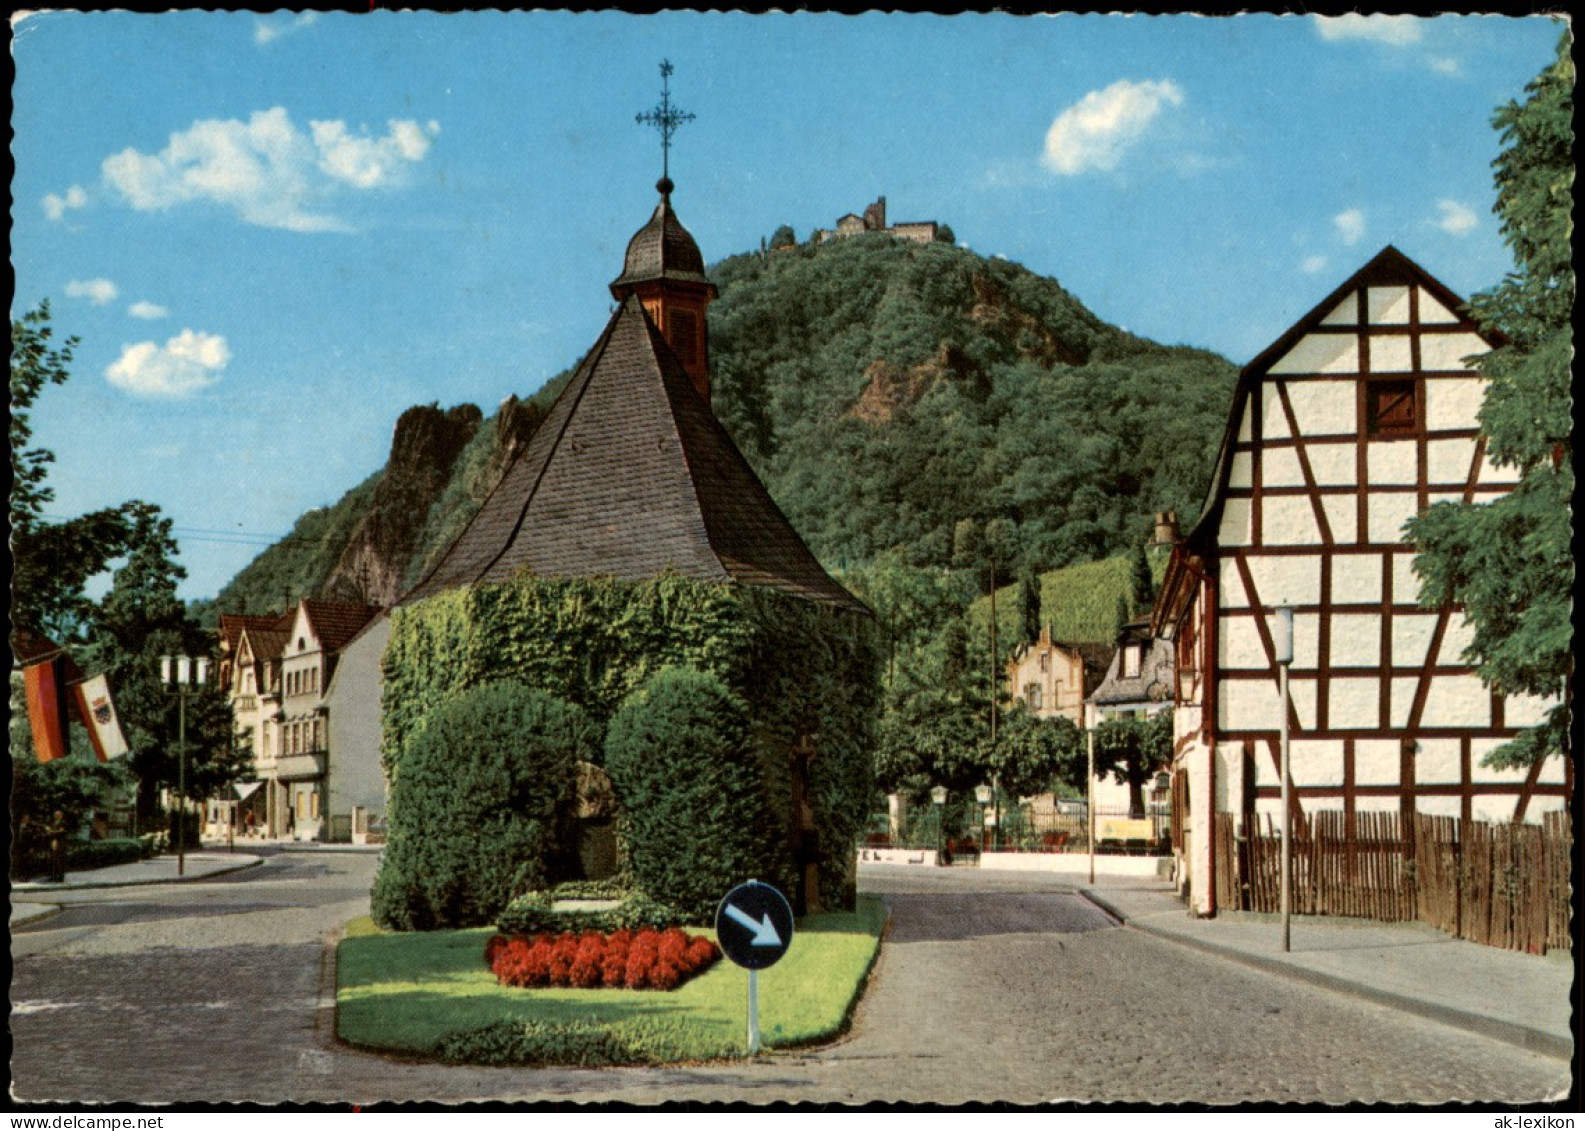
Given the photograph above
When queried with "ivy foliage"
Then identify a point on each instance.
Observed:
(476, 814)
(800, 669)
(699, 802)
(1510, 562)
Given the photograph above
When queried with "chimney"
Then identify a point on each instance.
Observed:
(1166, 528)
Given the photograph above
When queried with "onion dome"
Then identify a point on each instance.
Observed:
(662, 250)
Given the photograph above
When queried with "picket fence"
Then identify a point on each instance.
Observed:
(1502, 885)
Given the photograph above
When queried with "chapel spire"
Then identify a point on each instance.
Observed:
(663, 266)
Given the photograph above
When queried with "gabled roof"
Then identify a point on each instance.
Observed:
(1153, 684)
(233, 624)
(1389, 266)
(268, 640)
(337, 622)
(629, 476)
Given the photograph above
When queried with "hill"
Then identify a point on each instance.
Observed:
(885, 391)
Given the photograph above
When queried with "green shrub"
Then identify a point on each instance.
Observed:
(693, 791)
(475, 812)
(532, 914)
(585, 1044)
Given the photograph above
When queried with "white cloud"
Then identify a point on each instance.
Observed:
(97, 291)
(266, 169)
(1313, 264)
(365, 162)
(1454, 218)
(56, 207)
(189, 362)
(1096, 131)
(1446, 66)
(147, 310)
(1350, 225)
(266, 32)
(1397, 31)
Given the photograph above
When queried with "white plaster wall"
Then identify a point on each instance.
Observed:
(1294, 578)
(1354, 704)
(1241, 474)
(1245, 427)
(1289, 520)
(1230, 589)
(1442, 806)
(356, 777)
(1453, 402)
(1457, 701)
(1411, 639)
(1458, 635)
(1540, 805)
(1356, 640)
(1433, 311)
(1387, 515)
(1448, 462)
(1303, 694)
(1249, 705)
(1234, 530)
(1552, 772)
(1265, 765)
(1274, 422)
(1436, 762)
(1491, 474)
(1345, 313)
(1526, 710)
(1239, 647)
(1197, 760)
(1229, 777)
(1492, 807)
(1280, 468)
(1320, 353)
(1323, 407)
(1316, 762)
(1448, 351)
(1342, 516)
(1389, 353)
(1356, 579)
(1333, 465)
(1404, 689)
(1405, 582)
(1376, 762)
(1375, 805)
(1391, 462)
(1388, 305)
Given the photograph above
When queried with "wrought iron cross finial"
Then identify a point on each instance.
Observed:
(665, 118)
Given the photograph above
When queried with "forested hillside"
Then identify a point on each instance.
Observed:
(916, 401)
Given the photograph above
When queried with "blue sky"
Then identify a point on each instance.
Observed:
(274, 233)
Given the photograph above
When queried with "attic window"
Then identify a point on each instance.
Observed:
(1390, 408)
(1131, 658)
(1032, 696)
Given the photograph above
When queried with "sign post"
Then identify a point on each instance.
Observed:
(754, 926)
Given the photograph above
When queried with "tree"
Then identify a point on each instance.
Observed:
(1033, 753)
(1509, 562)
(783, 236)
(1133, 750)
(944, 234)
(52, 561)
(1142, 586)
(1028, 606)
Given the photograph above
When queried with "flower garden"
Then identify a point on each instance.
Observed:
(633, 960)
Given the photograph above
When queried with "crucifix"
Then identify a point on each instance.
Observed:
(665, 118)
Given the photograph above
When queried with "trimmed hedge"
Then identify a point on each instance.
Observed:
(582, 1044)
(532, 914)
(587, 960)
(697, 800)
(474, 816)
(799, 667)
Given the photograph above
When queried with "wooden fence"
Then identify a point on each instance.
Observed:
(1503, 885)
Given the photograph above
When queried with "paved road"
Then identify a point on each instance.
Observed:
(989, 988)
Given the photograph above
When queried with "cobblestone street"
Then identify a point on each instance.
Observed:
(989, 988)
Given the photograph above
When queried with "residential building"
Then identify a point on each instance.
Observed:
(1362, 414)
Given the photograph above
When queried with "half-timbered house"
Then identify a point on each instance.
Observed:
(1361, 415)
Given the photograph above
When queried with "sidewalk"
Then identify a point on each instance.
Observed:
(30, 901)
(1523, 999)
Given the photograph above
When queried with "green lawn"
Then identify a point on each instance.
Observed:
(409, 992)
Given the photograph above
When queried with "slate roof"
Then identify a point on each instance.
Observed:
(1153, 684)
(631, 475)
(661, 249)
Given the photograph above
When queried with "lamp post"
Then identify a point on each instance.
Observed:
(938, 794)
(178, 674)
(1283, 646)
(1089, 788)
(982, 794)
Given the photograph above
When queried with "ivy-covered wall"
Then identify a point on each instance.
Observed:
(802, 668)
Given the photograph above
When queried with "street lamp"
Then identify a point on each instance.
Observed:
(1283, 647)
(982, 794)
(183, 675)
(938, 794)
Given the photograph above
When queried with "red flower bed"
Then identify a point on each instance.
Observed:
(636, 960)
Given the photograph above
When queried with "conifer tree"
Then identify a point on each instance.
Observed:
(1509, 562)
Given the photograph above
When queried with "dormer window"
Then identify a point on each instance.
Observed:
(1132, 658)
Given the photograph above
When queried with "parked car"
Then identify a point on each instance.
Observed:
(1070, 806)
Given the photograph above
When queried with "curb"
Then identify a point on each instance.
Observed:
(50, 889)
(1532, 1040)
(41, 912)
